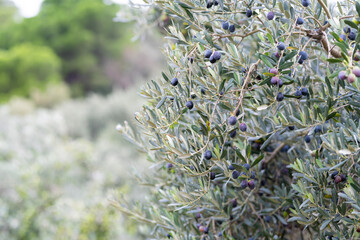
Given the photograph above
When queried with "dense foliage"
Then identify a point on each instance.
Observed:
(59, 165)
(254, 128)
(26, 67)
(82, 34)
(8, 12)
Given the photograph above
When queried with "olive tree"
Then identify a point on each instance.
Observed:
(254, 127)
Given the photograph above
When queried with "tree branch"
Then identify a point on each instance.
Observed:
(246, 82)
(325, 8)
(321, 36)
(273, 154)
(236, 35)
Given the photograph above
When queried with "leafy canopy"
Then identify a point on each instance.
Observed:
(83, 34)
(26, 67)
(258, 135)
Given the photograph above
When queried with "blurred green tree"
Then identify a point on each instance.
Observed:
(8, 11)
(26, 67)
(83, 34)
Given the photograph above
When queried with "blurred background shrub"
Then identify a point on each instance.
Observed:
(59, 165)
(67, 76)
(26, 67)
(80, 42)
(53, 94)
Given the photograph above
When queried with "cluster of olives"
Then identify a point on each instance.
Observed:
(351, 35)
(355, 72)
(211, 3)
(228, 26)
(244, 183)
(213, 56)
(338, 178)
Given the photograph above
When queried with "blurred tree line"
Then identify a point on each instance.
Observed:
(72, 40)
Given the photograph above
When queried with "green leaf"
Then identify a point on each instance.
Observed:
(208, 38)
(339, 7)
(270, 38)
(238, 153)
(203, 42)
(222, 85)
(324, 224)
(343, 46)
(319, 163)
(331, 115)
(230, 84)
(345, 57)
(161, 102)
(248, 150)
(357, 4)
(355, 104)
(286, 65)
(356, 186)
(267, 60)
(334, 60)
(327, 81)
(238, 167)
(289, 56)
(266, 143)
(293, 219)
(196, 128)
(190, 16)
(351, 24)
(224, 106)
(258, 159)
(336, 36)
(338, 165)
(164, 76)
(183, 5)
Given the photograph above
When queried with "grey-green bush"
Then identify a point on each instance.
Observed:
(299, 131)
(55, 181)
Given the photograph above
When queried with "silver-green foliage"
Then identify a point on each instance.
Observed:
(58, 166)
(295, 195)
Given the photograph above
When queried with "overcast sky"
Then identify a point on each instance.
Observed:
(29, 8)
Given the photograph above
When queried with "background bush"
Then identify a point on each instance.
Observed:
(81, 33)
(94, 52)
(26, 67)
(60, 158)
(59, 165)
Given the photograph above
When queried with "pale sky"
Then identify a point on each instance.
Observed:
(29, 8)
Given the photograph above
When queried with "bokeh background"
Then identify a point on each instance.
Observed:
(70, 70)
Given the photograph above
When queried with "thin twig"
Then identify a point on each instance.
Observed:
(321, 36)
(236, 35)
(246, 82)
(325, 8)
(256, 213)
(272, 156)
